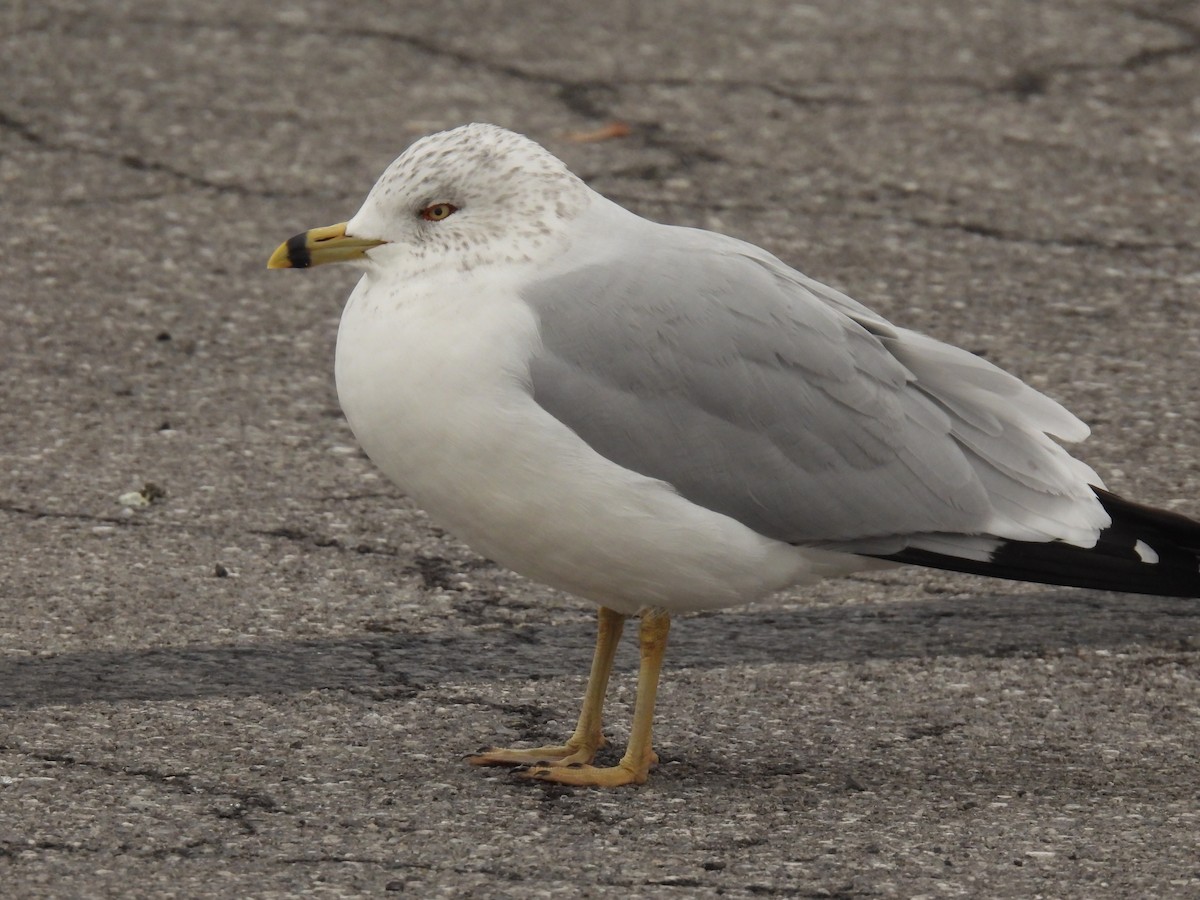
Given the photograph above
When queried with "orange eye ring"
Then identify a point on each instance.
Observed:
(435, 212)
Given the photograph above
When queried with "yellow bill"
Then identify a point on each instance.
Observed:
(319, 246)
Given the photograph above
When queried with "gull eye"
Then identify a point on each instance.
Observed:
(435, 212)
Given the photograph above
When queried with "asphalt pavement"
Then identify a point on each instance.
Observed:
(236, 662)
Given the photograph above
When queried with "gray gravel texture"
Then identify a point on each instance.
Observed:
(262, 683)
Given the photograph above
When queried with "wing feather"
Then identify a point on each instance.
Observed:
(769, 397)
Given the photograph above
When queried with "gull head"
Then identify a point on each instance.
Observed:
(458, 199)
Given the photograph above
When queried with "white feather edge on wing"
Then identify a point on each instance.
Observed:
(1039, 492)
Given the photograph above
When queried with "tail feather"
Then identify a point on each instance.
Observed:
(1144, 551)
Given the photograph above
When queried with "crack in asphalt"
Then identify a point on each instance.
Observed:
(574, 93)
(976, 229)
(21, 129)
(239, 802)
(36, 513)
(1030, 81)
(596, 98)
(1152, 55)
(296, 535)
(136, 163)
(1083, 241)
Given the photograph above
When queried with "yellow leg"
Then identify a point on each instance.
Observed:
(634, 767)
(581, 747)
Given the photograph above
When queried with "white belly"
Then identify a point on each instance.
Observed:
(436, 390)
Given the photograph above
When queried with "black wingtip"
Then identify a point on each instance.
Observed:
(1144, 551)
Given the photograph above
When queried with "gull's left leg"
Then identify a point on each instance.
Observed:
(634, 767)
(580, 747)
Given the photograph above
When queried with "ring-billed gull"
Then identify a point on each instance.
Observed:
(663, 419)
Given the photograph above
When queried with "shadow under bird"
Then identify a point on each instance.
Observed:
(663, 419)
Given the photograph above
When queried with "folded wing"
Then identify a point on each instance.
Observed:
(762, 394)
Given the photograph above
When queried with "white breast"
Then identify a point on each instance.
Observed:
(436, 390)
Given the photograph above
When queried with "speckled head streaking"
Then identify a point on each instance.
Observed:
(473, 195)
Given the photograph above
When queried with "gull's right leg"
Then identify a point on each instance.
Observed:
(634, 767)
(581, 747)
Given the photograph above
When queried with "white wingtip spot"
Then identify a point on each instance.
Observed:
(1146, 552)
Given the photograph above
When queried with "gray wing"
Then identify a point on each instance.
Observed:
(756, 392)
